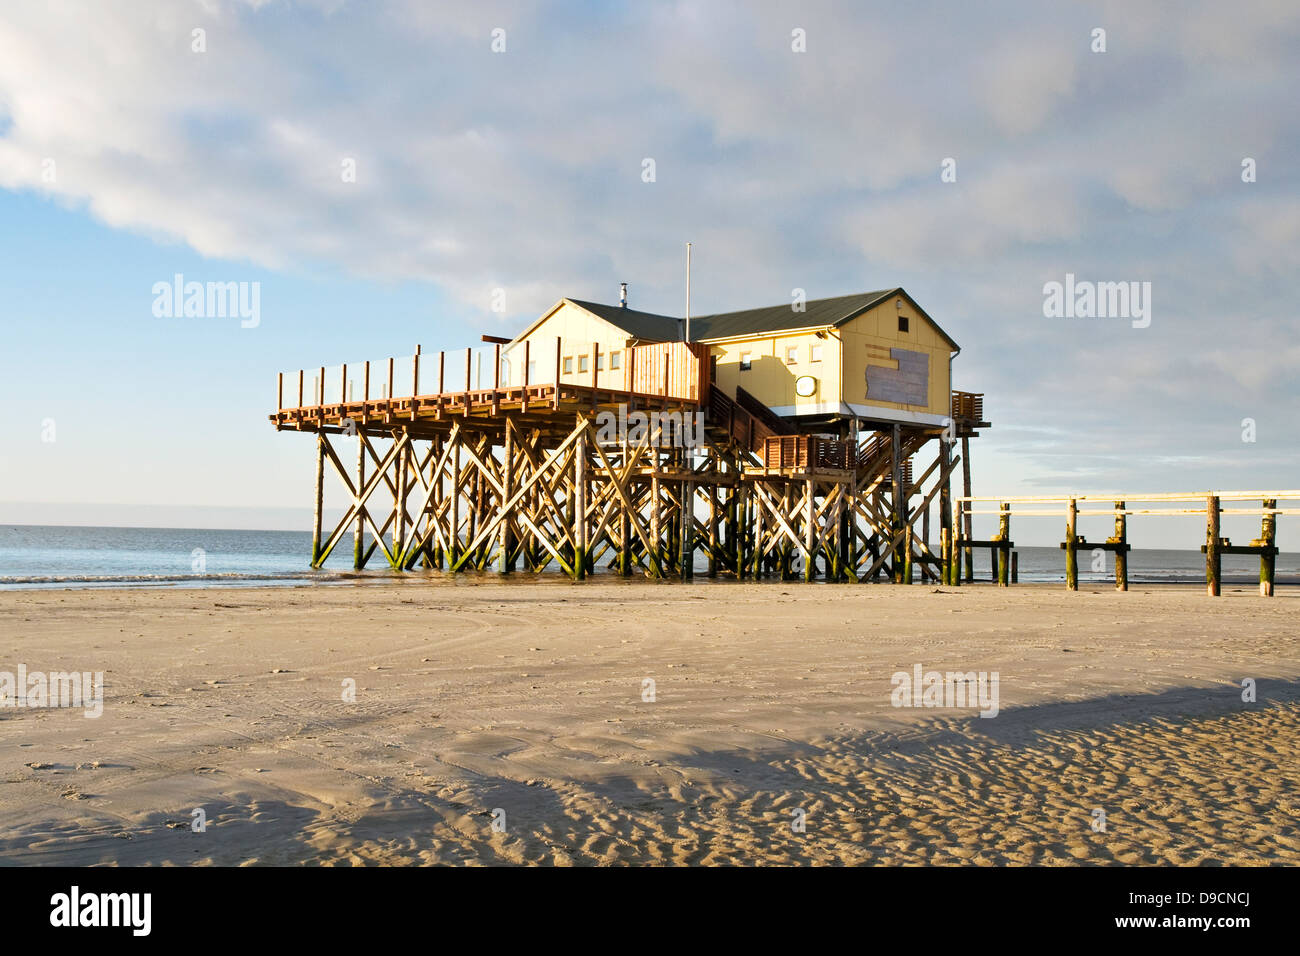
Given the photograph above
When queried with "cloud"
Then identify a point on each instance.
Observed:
(522, 170)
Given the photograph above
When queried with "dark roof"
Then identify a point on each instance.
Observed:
(817, 314)
(641, 325)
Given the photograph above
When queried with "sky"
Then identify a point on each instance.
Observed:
(381, 170)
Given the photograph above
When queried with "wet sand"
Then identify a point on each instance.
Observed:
(525, 704)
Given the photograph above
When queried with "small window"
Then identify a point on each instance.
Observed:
(615, 360)
(814, 353)
(532, 373)
(568, 365)
(745, 358)
(600, 362)
(583, 361)
(902, 323)
(791, 354)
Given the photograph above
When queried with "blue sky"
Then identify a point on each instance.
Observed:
(521, 170)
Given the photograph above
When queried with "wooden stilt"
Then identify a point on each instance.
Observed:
(1268, 541)
(1213, 559)
(359, 532)
(809, 529)
(686, 559)
(1003, 558)
(1121, 552)
(969, 531)
(1072, 547)
(316, 557)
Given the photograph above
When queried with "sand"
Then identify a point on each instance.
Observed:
(525, 700)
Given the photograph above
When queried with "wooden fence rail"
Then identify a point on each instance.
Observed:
(1215, 546)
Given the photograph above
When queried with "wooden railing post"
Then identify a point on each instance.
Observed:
(1072, 547)
(523, 402)
(1004, 552)
(555, 396)
(1121, 551)
(1213, 557)
(1268, 557)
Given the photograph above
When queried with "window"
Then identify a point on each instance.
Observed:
(814, 353)
(902, 323)
(568, 365)
(615, 361)
(745, 359)
(600, 362)
(583, 361)
(791, 354)
(532, 372)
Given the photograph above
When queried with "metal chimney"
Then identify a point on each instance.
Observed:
(622, 295)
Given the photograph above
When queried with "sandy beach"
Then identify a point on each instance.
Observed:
(527, 705)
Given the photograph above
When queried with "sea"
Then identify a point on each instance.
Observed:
(57, 556)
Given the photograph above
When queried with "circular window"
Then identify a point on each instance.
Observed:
(805, 385)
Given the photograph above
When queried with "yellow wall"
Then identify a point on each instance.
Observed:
(771, 378)
(579, 329)
(878, 327)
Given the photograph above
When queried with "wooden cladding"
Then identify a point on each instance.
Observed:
(968, 406)
(673, 369)
(808, 452)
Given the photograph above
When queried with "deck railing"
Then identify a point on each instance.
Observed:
(674, 370)
(1118, 505)
(968, 406)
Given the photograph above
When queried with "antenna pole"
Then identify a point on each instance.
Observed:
(688, 292)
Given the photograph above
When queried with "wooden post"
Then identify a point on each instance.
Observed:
(279, 391)
(555, 396)
(506, 560)
(595, 372)
(740, 527)
(1004, 553)
(1121, 552)
(965, 480)
(809, 531)
(907, 554)
(580, 508)
(300, 375)
(945, 509)
(945, 559)
(897, 506)
(1213, 557)
(453, 538)
(320, 494)
(1015, 567)
(399, 505)
(954, 545)
(687, 556)
(1268, 557)
(359, 532)
(415, 374)
(523, 401)
(713, 531)
(925, 535)
(1072, 547)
